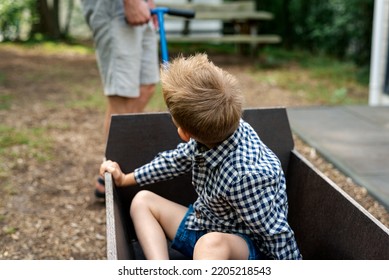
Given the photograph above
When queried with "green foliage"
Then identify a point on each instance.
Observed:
(35, 19)
(337, 27)
(14, 15)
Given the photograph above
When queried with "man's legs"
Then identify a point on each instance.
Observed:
(155, 218)
(127, 57)
(124, 105)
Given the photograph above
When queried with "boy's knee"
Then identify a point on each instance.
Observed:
(140, 201)
(212, 243)
(221, 246)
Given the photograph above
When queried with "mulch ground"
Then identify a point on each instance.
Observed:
(47, 207)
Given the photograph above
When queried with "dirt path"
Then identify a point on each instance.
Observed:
(47, 209)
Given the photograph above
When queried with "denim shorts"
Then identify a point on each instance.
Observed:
(185, 240)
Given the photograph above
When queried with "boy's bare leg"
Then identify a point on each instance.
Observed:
(155, 218)
(221, 246)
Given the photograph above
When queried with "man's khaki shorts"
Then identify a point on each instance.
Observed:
(127, 55)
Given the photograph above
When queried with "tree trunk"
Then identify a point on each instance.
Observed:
(288, 26)
(48, 19)
(69, 13)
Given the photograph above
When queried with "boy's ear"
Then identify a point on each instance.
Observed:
(185, 136)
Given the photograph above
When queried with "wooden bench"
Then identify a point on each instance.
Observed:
(328, 224)
(241, 15)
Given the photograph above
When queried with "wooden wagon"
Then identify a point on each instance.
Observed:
(328, 223)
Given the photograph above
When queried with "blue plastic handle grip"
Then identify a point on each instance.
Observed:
(160, 12)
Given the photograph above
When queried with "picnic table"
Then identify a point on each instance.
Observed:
(242, 18)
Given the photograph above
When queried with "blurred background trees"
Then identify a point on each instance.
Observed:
(28, 19)
(340, 28)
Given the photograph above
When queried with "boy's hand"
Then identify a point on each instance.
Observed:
(113, 168)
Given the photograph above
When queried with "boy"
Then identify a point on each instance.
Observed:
(241, 210)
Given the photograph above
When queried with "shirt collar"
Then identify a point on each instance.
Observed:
(213, 157)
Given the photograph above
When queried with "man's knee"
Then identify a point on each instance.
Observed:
(120, 105)
(148, 89)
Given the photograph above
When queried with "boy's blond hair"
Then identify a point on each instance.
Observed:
(203, 99)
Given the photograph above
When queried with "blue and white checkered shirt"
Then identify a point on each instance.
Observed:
(240, 186)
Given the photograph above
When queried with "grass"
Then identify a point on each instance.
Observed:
(320, 78)
(11, 137)
(50, 47)
(320, 65)
(157, 103)
(86, 98)
(5, 101)
(17, 146)
(28, 142)
(10, 230)
(5, 98)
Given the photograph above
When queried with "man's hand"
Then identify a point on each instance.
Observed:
(137, 12)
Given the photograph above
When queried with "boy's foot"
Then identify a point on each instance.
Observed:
(100, 188)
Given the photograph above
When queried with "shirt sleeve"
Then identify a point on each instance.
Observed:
(260, 201)
(165, 166)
